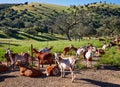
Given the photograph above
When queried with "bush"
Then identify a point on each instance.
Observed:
(9, 31)
(31, 31)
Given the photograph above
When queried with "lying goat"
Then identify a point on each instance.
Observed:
(3, 67)
(29, 72)
(52, 70)
(66, 63)
(105, 46)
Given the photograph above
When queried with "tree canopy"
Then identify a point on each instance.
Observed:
(73, 22)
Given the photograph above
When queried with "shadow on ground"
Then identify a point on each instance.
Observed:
(2, 78)
(101, 84)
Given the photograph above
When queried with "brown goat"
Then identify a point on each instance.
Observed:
(68, 49)
(52, 70)
(101, 39)
(3, 67)
(42, 57)
(29, 72)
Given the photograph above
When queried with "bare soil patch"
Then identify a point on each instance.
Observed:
(106, 77)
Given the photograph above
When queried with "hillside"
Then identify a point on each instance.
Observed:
(4, 6)
(39, 10)
(39, 6)
(32, 18)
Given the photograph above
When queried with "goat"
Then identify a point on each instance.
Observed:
(3, 67)
(105, 46)
(43, 56)
(29, 72)
(46, 49)
(101, 39)
(52, 70)
(100, 51)
(66, 63)
(81, 51)
(84, 49)
(89, 56)
(68, 49)
(24, 57)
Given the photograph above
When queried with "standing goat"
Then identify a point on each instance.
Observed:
(89, 56)
(81, 51)
(24, 57)
(66, 63)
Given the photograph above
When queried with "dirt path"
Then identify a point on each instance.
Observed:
(85, 78)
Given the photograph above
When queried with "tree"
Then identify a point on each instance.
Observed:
(31, 31)
(26, 3)
(10, 31)
(17, 23)
(65, 22)
(111, 23)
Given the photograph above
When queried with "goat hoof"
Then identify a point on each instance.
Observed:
(63, 76)
(72, 80)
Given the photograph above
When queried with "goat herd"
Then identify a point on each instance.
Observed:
(58, 62)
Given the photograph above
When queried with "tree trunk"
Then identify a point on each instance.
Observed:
(68, 36)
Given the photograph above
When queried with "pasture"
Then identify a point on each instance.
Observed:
(18, 46)
(105, 77)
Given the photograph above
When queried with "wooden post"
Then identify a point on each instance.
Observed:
(47, 43)
(9, 44)
(32, 53)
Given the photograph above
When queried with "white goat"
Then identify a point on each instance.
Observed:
(66, 63)
(80, 51)
(105, 46)
(89, 56)
(83, 50)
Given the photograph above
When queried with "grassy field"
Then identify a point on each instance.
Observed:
(111, 56)
(25, 45)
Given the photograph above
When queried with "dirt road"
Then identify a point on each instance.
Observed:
(108, 77)
(85, 78)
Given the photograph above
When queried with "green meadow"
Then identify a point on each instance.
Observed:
(111, 56)
(18, 46)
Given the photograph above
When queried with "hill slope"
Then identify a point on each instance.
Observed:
(33, 16)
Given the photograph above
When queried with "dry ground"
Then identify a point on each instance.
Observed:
(85, 78)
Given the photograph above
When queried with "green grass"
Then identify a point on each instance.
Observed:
(80, 66)
(25, 45)
(111, 57)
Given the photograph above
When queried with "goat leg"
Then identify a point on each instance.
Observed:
(72, 74)
(62, 73)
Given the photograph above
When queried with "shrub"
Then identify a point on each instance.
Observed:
(30, 31)
(9, 31)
